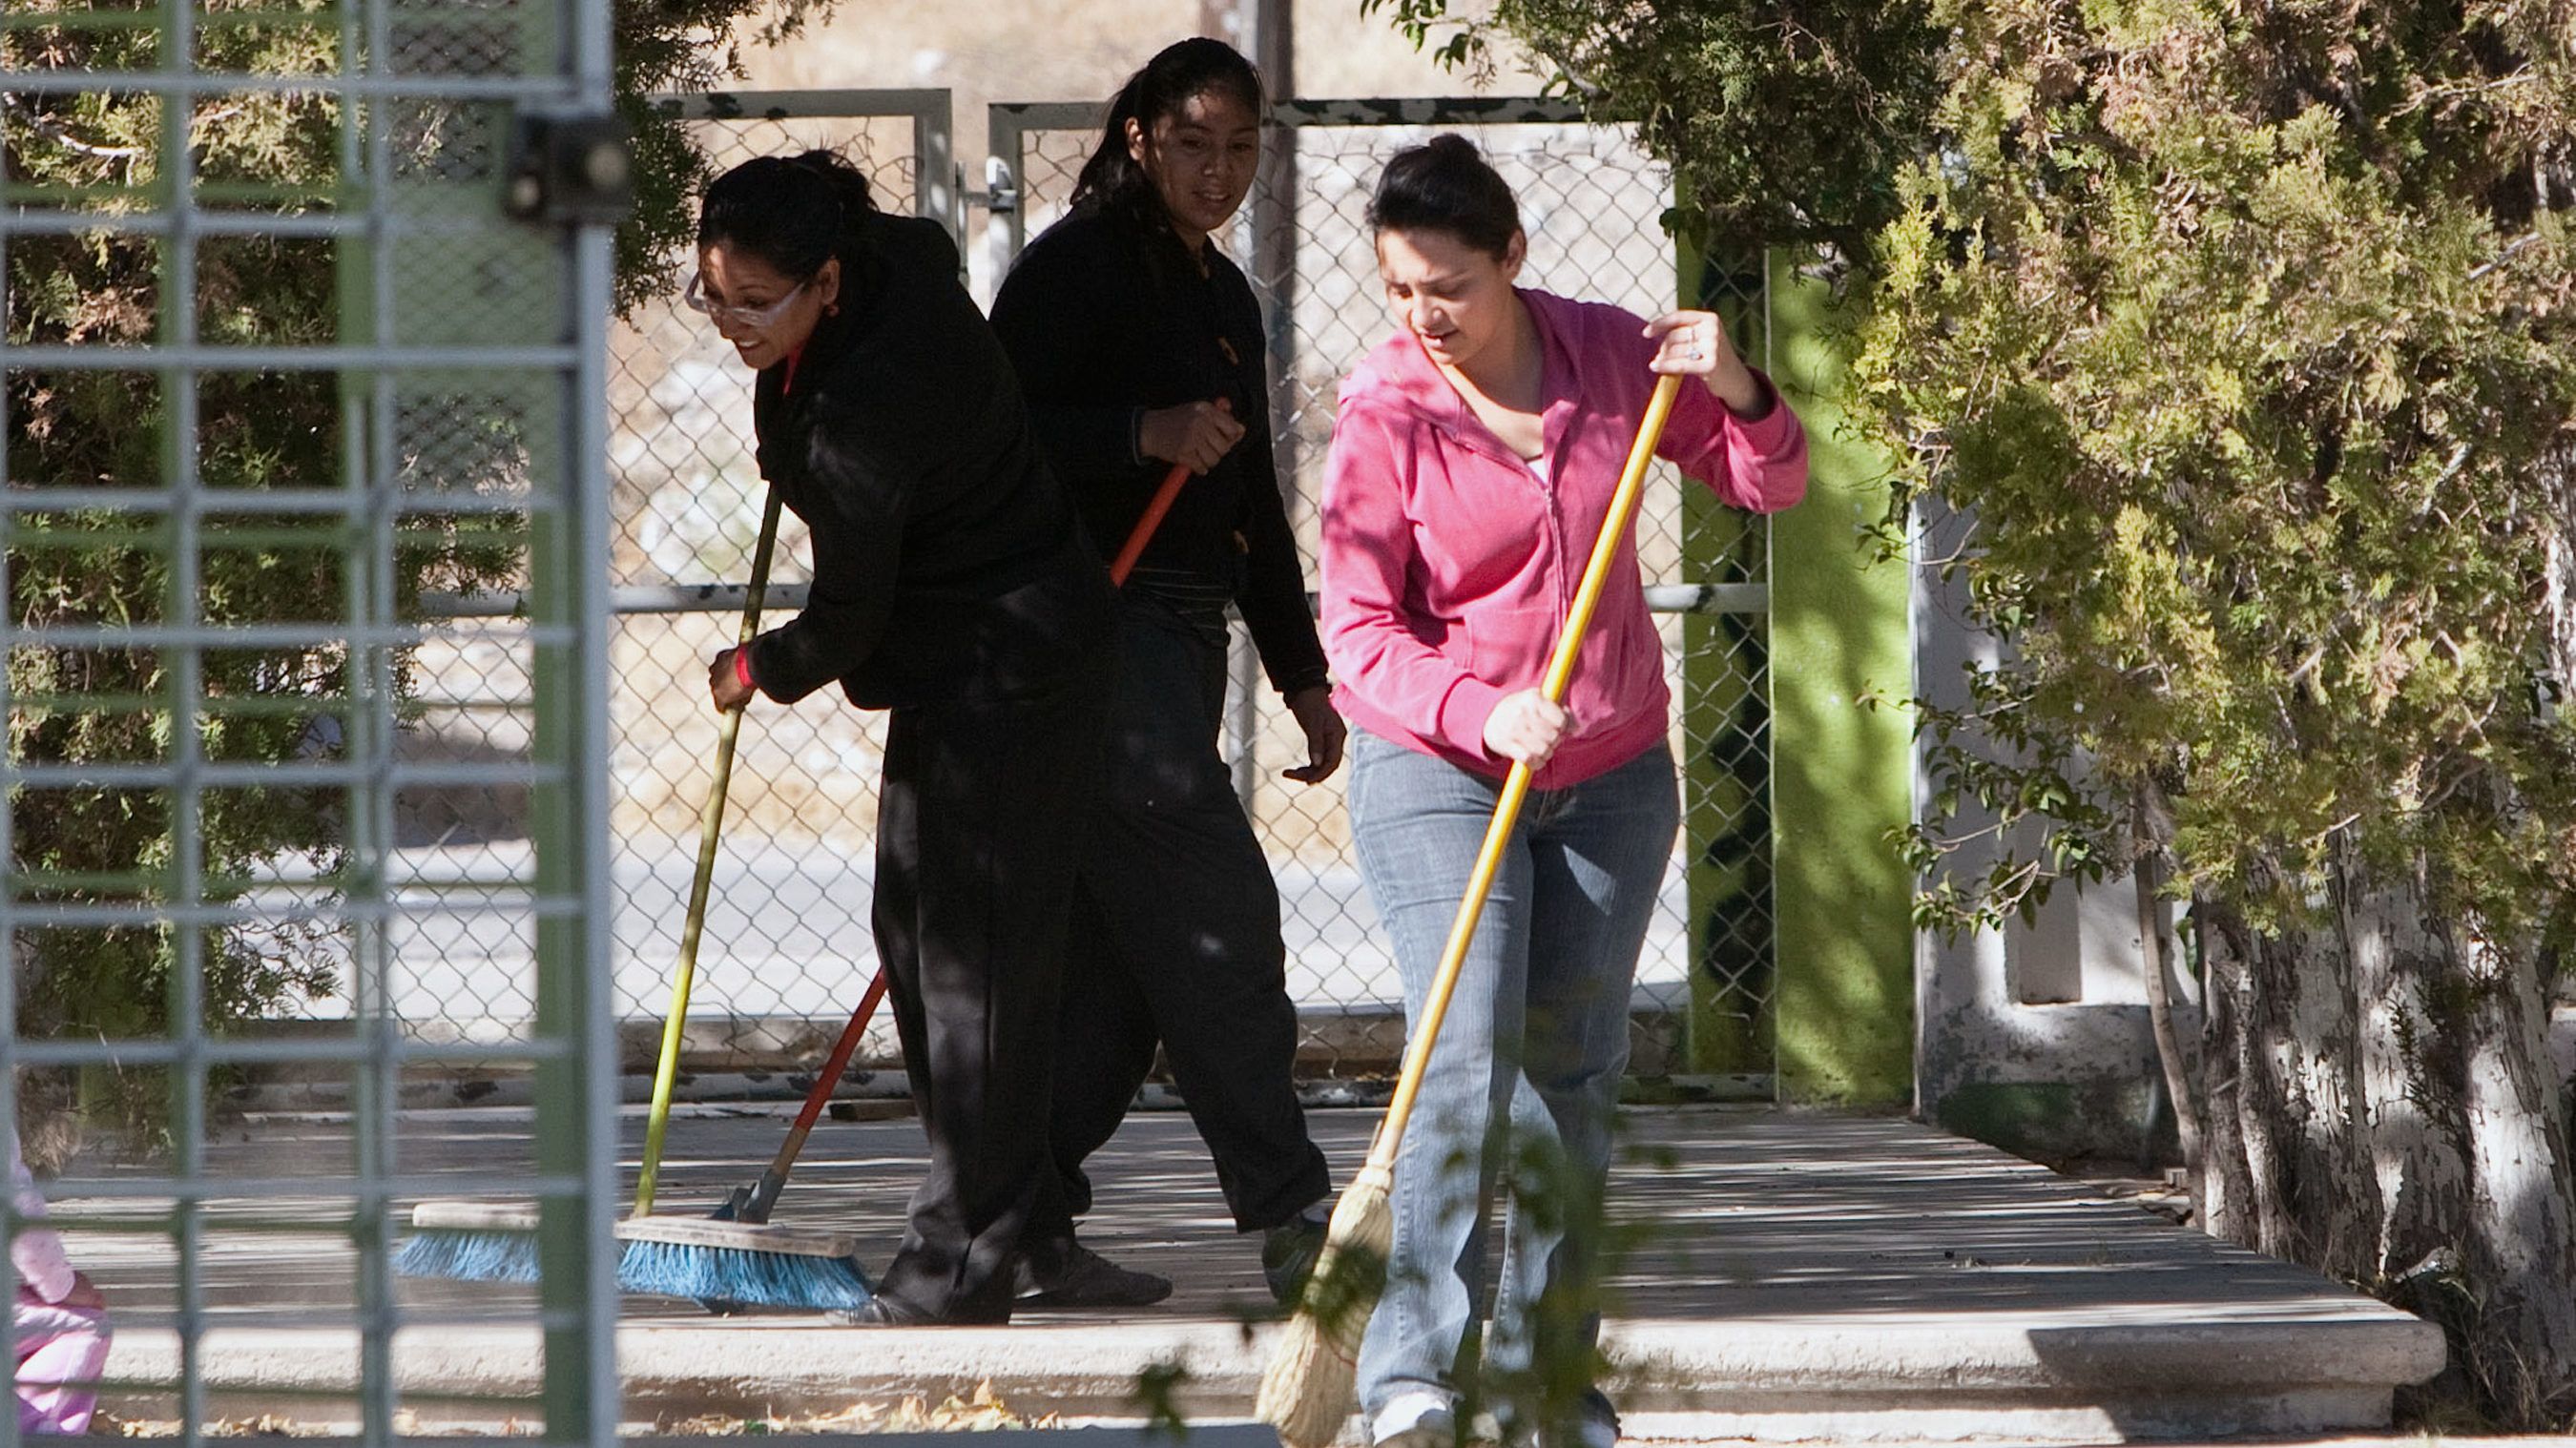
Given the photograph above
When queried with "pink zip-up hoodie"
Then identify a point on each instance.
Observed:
(1450, 566)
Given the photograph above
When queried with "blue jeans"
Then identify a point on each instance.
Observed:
(1526, 1068)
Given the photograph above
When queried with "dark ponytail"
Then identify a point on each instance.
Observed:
(1112, 179)
(1445, 185)
(791, 212)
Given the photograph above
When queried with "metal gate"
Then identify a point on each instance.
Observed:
(277, 363)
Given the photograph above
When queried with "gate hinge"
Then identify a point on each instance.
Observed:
(1001, 195)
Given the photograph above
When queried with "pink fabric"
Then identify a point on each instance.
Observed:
(62, 1349)
(1449, 566)
(60, 1320)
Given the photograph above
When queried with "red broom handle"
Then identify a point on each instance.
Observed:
(1152, 517)
(842, 1050)
(1147, 522)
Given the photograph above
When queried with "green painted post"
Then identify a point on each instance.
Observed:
(1842, 773)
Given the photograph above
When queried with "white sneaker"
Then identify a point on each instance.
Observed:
(1420, 1418)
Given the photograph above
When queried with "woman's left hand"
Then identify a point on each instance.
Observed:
(1313, 709)
(724, 681)
(1695, 344)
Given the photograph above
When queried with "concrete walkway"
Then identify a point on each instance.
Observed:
(1796, 1277)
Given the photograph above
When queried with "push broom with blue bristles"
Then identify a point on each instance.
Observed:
(749, 1263)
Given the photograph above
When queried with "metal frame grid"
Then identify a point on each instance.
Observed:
(457, 362)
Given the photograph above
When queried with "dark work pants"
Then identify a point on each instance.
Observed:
(1175, 940)
(977, 830)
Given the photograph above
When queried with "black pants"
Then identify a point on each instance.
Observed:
(1176, 940)
(978, 827)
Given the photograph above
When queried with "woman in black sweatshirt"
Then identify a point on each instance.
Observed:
(1139, 346)
(952, 586)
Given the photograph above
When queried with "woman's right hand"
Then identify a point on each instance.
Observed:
(1195, 433)
(1525, 727)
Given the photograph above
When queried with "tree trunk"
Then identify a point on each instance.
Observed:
(2556, 479)
(2290, 1171)
(2334, 1188)
(2519, 1251)
(2240, 1199)
(2150, 828)
(2394, 963)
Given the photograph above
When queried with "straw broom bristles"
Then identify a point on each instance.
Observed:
(1306, 1391)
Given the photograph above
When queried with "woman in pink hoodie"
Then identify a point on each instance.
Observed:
(60, 1321)
(1472, 467)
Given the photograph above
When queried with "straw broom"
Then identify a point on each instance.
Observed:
(1306, 1392)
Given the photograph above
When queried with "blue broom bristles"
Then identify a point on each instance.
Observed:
(469, 1256)
(737, 1275)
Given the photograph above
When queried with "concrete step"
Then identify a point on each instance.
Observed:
(1796, 1277)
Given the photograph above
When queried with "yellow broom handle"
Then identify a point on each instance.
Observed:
(710, 825)
(1507, 809)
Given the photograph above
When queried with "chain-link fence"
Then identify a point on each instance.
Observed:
(789, 945)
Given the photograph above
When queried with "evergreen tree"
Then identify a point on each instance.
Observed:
(2238, 338)
(1782, 123)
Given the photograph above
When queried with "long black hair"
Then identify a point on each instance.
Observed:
(1445, 185)
(791, 212)
(1112, 179)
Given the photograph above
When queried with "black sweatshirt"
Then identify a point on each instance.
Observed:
(1104, 319)
(947, 561)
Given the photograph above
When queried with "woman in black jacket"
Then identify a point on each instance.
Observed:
(951, 587)
(1139, 346)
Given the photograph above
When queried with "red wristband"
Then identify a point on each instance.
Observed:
(742, 666)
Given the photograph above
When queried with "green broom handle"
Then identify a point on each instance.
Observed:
(710, 826)
(1516, 785)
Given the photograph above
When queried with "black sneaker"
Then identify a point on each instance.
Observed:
(1288, 1253)
(1065, 1273)
(1594, 1423)
(879, 1311)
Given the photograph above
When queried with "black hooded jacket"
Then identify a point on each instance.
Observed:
(1106, 318)
(947, 561)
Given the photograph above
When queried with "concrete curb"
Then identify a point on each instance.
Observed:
(1862, 1378)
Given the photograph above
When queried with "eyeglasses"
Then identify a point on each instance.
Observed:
(756, 318)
